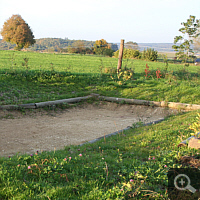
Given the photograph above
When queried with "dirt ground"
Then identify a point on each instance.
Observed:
(38, 130)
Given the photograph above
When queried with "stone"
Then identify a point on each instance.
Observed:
(194, 143)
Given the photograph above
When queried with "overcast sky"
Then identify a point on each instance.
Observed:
(141, 21)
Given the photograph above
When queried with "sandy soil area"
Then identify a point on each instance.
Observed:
(46, 130)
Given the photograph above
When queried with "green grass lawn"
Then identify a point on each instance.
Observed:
(130, 165)
(57, 76)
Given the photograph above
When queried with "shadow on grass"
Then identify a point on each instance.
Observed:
(28, 86)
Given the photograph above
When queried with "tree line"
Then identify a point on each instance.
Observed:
(17, 34)
(62, 45)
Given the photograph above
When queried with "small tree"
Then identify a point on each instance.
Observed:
(150, 54)
(189, 32)
(17, 31)
(101, 47)
(79, 46)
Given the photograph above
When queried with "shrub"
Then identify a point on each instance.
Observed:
(110, 70)
(129, 53)
(123, 76)
(108, 52)
(150, 54)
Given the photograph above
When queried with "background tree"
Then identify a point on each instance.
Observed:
(182, 44)
(101, 47)
(79, 46)
(17, 31)
(131, 45)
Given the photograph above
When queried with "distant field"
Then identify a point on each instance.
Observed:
(168, 54)
(33, 77)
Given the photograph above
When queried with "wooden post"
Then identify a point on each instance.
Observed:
(120, 55)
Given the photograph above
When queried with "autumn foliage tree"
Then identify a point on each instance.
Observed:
(16, 31)
(101, 47)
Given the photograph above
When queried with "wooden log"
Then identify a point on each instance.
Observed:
(183, 106)
(131, 101)
(43, 104)
(194, 107)
(29, 105)
(120, 55)
(71, 100)
(174, 105)
(9, 107)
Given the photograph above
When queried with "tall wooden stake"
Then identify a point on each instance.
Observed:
(120, 55)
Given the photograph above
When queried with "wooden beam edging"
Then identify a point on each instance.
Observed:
(71, 100)
(174, 105)
(43, 104)
(118, 132)
(182, 106)
(9, 107)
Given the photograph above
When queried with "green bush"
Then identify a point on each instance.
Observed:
(128, 53)
(150, 54)
(104, 51)
(108, 52)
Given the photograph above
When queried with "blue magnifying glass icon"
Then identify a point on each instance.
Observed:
(181, 181)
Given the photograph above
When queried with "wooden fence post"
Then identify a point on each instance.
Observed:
(120, 55)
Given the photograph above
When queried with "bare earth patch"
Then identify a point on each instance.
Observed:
(49, 130)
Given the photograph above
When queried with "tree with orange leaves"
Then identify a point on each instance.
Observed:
(101, 47)
(16, 31)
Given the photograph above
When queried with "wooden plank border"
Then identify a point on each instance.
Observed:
(173, 105)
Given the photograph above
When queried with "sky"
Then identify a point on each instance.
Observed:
(141, 21)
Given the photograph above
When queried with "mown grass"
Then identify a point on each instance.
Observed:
(130, 165)
(47, 77)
